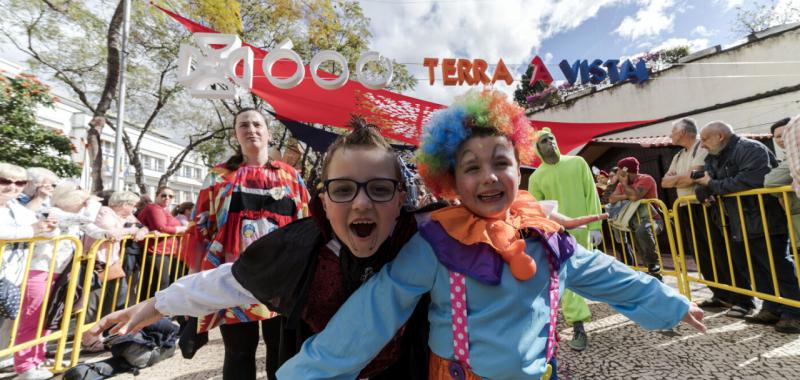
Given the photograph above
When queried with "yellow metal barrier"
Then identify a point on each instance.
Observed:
(628, 254)
(30, 250)
(171, 246)
(782, 193)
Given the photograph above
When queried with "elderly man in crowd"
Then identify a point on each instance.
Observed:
(691, 159)
(736, 164)
(634, 186)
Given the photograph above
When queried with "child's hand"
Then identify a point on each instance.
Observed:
(572, 223)
(694, 317)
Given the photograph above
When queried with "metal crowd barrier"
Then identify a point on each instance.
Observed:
(139, 283)
(28, 246)
(140, 274)
(623, 246)
(705, 231)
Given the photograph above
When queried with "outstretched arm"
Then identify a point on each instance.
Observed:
(639, 297)
(197, 295)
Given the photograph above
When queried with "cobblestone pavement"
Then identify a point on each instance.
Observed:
(618, 349)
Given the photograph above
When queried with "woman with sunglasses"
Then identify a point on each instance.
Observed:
(157, 218)
(16, 222)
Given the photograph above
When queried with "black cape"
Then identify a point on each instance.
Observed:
(278, 270)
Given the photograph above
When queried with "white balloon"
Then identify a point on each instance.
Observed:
(291, 81)
(374, 83)
(329, 55)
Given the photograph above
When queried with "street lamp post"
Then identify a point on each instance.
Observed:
(118, 151)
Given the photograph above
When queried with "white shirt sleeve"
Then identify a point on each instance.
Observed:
(203, 293)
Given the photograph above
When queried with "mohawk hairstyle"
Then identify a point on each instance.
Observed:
(363, 135)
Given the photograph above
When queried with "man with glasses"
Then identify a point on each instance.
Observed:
(691, 159)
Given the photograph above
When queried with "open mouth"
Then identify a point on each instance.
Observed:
(362, 229)
(491, 196)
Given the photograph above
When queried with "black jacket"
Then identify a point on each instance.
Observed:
(279, 268)
(741, 166)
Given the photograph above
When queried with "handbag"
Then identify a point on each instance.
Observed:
(623, 217)
(115, 271)
(9, 299)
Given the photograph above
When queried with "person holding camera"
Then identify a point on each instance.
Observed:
(737, 164)
(634, 186)
(687, 165)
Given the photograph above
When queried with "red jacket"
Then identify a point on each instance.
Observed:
(157, 218)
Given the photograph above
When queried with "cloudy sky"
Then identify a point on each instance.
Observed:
(517, 30)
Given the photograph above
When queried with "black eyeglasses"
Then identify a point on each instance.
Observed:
(342, 190)
(6, 182)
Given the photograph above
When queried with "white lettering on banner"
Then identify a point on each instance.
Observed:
(213, 65)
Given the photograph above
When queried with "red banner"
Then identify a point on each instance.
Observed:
(400, 117)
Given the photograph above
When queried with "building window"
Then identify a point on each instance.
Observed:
(147, 162)
(107, 147)
(159, 165)
(197, 173)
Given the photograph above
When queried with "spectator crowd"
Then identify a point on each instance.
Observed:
(749, 234)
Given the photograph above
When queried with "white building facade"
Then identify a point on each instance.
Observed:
(750, 85)
(156, 150)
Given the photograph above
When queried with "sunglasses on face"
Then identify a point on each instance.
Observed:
(6, 182)
(343, 190)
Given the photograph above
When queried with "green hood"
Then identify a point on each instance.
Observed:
(540, 134)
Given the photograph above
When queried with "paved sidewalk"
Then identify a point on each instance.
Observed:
(618, 349)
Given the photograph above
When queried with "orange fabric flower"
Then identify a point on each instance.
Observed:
(501, 234)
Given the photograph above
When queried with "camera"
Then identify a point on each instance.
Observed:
(697, 174)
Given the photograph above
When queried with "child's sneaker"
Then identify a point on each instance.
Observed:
(35, 374)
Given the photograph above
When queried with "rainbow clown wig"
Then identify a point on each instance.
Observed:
(487, 112)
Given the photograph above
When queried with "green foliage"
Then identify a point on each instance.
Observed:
(524, 89)
(312, 25)
(223, 14)
(672, 55)
(538, 95)
(760, 15)
(24, 142)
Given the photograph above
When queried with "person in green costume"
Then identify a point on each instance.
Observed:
(568, 180)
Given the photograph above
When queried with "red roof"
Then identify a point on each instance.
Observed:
(662, 141)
